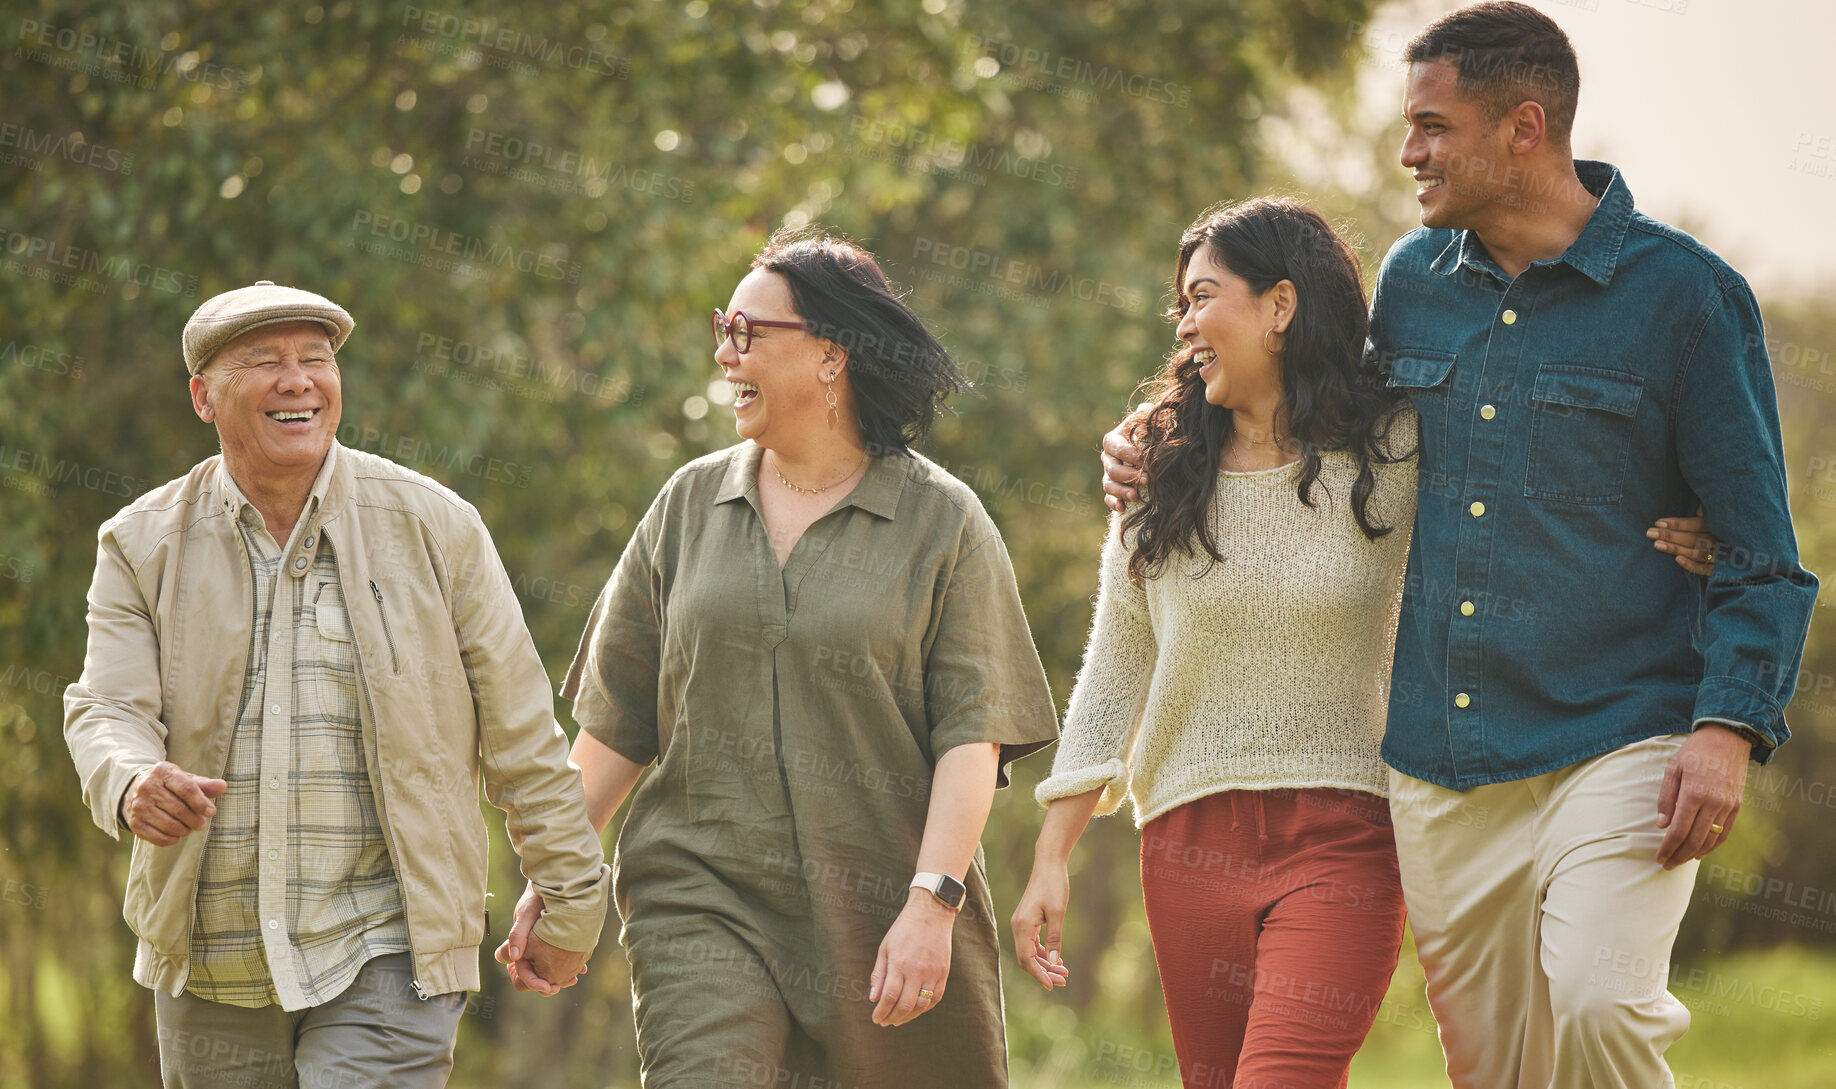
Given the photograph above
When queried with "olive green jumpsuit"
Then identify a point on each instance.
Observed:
(796, 717)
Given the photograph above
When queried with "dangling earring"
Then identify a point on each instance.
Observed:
(1265, 341)
(830, 397)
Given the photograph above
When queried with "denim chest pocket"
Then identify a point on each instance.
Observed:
(1423, 373)
(1580, 433)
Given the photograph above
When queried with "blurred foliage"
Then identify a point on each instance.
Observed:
(530, 209)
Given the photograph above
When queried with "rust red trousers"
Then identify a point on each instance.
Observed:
(1276, 916)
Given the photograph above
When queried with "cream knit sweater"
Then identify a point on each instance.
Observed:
(1272, 669)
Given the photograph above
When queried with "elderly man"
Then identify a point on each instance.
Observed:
(301, 656)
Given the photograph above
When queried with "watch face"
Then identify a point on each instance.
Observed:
(951, 892)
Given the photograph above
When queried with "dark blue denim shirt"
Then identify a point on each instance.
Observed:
(1561, 414)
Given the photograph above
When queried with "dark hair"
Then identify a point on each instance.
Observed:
(899, 372)
(1332, 402)
(1506, 53)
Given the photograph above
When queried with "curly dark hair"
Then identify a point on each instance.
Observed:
(1333, 402)
(901, 374)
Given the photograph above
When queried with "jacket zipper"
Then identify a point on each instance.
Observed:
(372, 756)
(395, 665)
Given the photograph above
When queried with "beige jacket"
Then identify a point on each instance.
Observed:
(450, 685)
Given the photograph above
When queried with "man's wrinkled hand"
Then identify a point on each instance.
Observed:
(166, 803)
(533, 964)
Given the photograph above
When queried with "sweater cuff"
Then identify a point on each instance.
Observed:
(1111, 774)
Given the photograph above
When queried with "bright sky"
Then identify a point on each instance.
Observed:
(1721, 113)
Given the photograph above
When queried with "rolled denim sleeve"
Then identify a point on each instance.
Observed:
(1759, 598)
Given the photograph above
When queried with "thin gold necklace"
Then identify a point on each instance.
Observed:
(818, 491)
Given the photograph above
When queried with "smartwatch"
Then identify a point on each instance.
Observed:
(948, 890)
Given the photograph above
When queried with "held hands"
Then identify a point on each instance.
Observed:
(914, 959)
(166, 803)
(1042, 907)
(1701, 795)
(533, 964)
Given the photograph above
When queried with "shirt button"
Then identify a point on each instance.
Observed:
(307, 542)
(1462, 700)
(1466, 608)
(273, 924)
(300, 564)
(273, 784)
(1486, 412)
(273, 854)
(1510, 317)
(1477, 509)
(274, 709)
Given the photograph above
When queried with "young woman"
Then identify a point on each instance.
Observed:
(817, 637)
(1237, 674)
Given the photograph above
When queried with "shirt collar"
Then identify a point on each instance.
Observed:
(1595, 251)
(877, 493)
(237, 505)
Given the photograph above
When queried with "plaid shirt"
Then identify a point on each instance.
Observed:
(296, 891)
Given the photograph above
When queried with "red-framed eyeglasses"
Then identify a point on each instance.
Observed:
(740, 327)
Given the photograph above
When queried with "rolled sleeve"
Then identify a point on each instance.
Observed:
(613, 680)
(1729, 448)
(983, 681)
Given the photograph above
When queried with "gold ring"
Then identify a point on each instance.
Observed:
(925, 993)
(1715, 828)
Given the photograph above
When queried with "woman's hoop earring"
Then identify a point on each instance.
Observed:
(1265, 341)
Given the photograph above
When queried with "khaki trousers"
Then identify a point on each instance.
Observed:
(1544, 925)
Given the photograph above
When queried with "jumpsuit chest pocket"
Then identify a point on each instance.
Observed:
(1424, 374)
(1581, 430)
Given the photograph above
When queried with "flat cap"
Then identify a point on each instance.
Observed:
(227, 316)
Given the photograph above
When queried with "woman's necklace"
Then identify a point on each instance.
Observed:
(818, 491)
(1232, 460)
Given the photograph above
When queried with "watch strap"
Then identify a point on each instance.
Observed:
(948, 890)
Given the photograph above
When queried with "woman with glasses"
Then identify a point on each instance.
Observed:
(817, 638)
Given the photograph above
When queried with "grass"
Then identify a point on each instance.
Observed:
(1760, 1021)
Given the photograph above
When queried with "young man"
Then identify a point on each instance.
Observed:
(1579, 370)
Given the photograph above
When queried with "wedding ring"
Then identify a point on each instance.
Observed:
(926, 993)
(1715, 828)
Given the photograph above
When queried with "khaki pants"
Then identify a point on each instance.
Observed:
(376, 1034)
(1544, 925)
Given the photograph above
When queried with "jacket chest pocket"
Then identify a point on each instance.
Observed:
(1424, 375)
(1580, 433)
